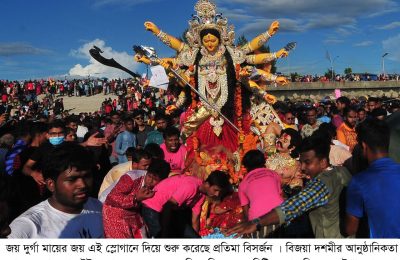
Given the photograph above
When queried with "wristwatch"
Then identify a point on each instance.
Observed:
(257, 222)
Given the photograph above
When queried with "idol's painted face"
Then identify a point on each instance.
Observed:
(211, 42)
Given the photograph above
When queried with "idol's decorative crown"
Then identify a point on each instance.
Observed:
(208, 18)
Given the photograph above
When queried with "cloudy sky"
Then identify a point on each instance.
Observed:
(41, 39)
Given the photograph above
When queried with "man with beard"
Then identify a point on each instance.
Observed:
(320, 196)
(312, 123)
(69, 212)
(346, 132)
(174, 151)
(156, 136)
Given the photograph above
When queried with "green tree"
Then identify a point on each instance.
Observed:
(294, 76)
(348, 71)
(330, 75)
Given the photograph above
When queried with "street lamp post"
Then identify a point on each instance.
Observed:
(383, 63)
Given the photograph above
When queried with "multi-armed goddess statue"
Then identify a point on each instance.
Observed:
(227, 105)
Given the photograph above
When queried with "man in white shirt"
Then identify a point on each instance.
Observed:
(69, 212)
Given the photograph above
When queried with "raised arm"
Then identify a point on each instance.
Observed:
(263, 58)
(169, 40)
(261, 39)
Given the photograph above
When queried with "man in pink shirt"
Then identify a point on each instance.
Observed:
(183, 191)
(260, 190)
(174, 151)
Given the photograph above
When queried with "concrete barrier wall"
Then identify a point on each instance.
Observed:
(319, 90)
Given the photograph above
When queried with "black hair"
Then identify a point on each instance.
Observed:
(171, 131)
(127, 119)
(344, 100)
(129, 151)
(69, 130)
(38, 128)
(220, 179)
(66, 156)
(378, 112)
(326, 130)
(72, 119)
(295, 141)
(160, 168)
(161, 115)
(138, 112)
(312, 109)
(348, 109)
(140, 154)
(210, 31)
(374, 133)
(154, 150)
(373, 99)
(114, 113)
(56, 124)
(253, 159)
(318, 144)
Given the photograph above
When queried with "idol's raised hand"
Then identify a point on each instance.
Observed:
(152, 27)
(273, 28)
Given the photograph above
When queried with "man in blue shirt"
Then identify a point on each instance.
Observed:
(376, 190)
(125, 140)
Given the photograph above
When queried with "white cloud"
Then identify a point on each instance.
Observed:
(390, 26)
(391, 45)
(310, 14)
(94, 68)
(363, 44)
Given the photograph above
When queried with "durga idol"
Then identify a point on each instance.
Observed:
(221, 72)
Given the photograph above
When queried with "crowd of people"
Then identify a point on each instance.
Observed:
(213, 156)
(124, 172)
(341, 78)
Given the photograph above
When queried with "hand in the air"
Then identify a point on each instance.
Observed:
(282, 53)
(95, 141)
(38, 177)
(270, 99)
(151, 27)
(144, 193)
(281, 80)
(273, 28)
(141, 58)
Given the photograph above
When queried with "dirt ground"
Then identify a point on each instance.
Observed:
(83, 103)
